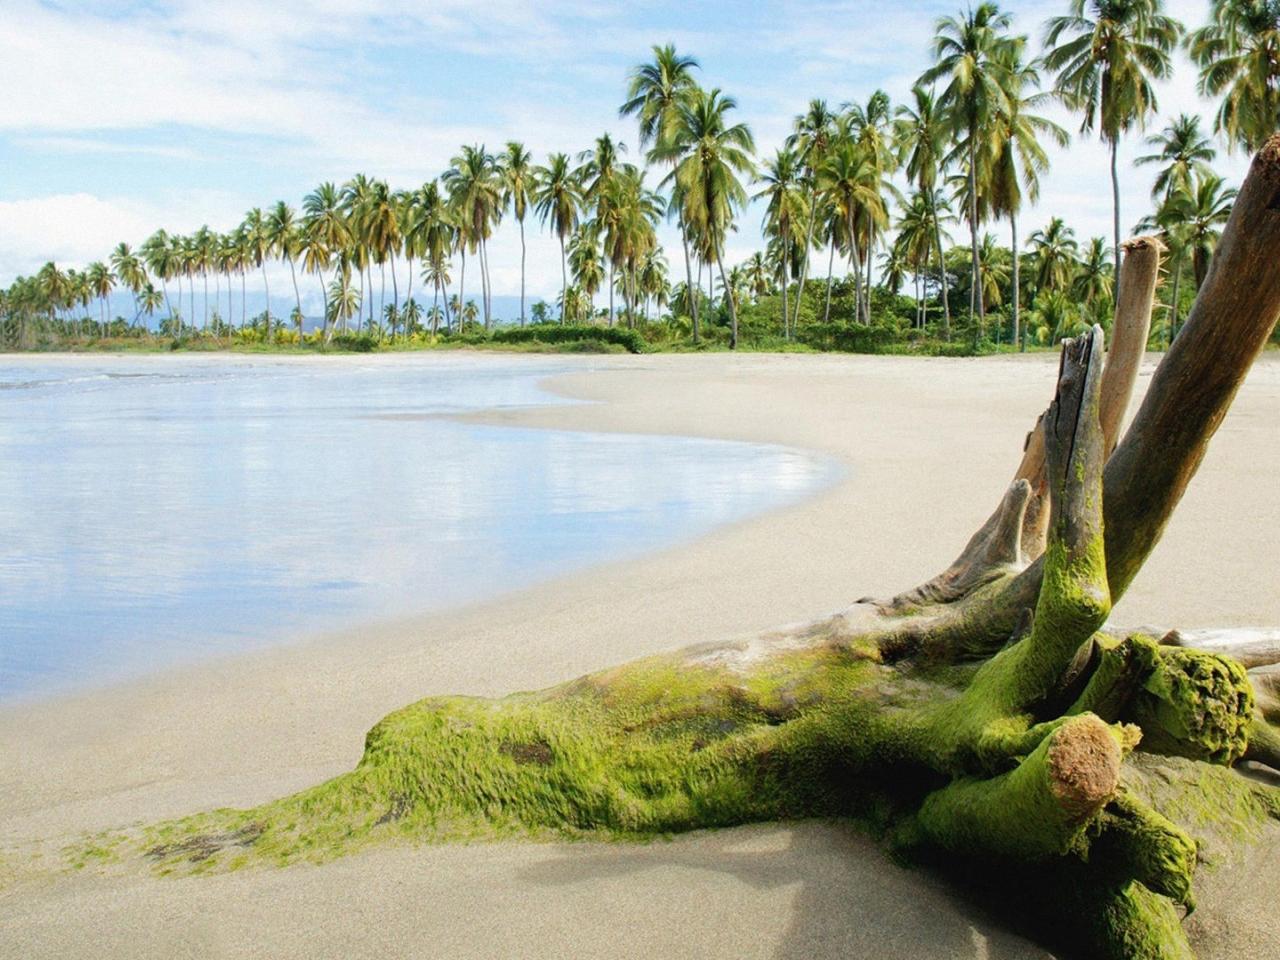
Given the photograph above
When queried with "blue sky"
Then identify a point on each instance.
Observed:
(121, 117)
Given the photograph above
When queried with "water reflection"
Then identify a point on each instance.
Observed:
(156, 509)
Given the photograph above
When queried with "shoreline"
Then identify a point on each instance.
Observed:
(926, 446)
(438, 597)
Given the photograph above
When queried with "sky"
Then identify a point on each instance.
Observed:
(121, 117)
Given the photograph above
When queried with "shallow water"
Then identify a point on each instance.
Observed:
(155, 510)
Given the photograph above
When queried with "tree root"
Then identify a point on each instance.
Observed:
(986, 721)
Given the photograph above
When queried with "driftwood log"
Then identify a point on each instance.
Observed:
(988, 722)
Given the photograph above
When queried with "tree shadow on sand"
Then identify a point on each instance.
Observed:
(846, 898)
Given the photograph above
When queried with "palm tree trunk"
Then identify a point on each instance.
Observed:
(297, 297)
(866, 300)
(942, 271)
(831, 260)
(786, 278)
(522, 252)
(854, 264)
(864, 279)
(808, 246)
(1017, 291)
(448, 314)
(688, 278)
(974, 281)
(395, 296)
(1115, 215)
(326, 332)
(462, 286)
(564, 280)
(484, 280)
(266, 287)
(611, 291)
(1173, 307)
(164, 284)
(244, 300)
(733, 307)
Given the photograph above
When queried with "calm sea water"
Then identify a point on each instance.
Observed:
(155, 510)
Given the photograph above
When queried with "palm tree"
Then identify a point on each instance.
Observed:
(242, 255)
(1182, 151)
(1204, 210)
(586, 264)
(921, 136)
(787, 210)
(919, 232)
(1093, 282)
(431, 236)
(436, 272)
(655, 93)
(475, 194)
(715, 153)
(653, 280)
(285, 241)
(995, 272)
(871, 127)
(1239, 57)
(557, 195)
(1019, 159)
(343, 298)
(101, 282)
(157, 253)
(850, 183)
(150, 300)
(188, 259)
(756, 275)
(516, 166)
(969, 54)
(204, 250)
(356, 197)
(598, 174)
(627, 222)
(412, 316)
(324, 232)
(229, 263)
(381, 223)
(129, 269)
(1054, 250)
(1108, 55)
(258, 237)
(811, 138)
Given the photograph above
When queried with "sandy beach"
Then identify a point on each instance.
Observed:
(927, 447)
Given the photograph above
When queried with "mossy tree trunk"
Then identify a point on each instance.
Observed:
(987, 721)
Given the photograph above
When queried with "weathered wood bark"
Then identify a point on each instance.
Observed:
(996, 543)
(986, 722)
(1131, 329)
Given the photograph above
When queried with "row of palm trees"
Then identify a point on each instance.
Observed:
(969, 145)
(971, 138)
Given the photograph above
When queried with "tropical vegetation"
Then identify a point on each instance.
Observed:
(882, 189)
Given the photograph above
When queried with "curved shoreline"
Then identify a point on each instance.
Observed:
(935, 441)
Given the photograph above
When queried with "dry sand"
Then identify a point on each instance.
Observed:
(928, 446)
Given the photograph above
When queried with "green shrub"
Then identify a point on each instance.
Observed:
(355, 342)
(554, 334)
